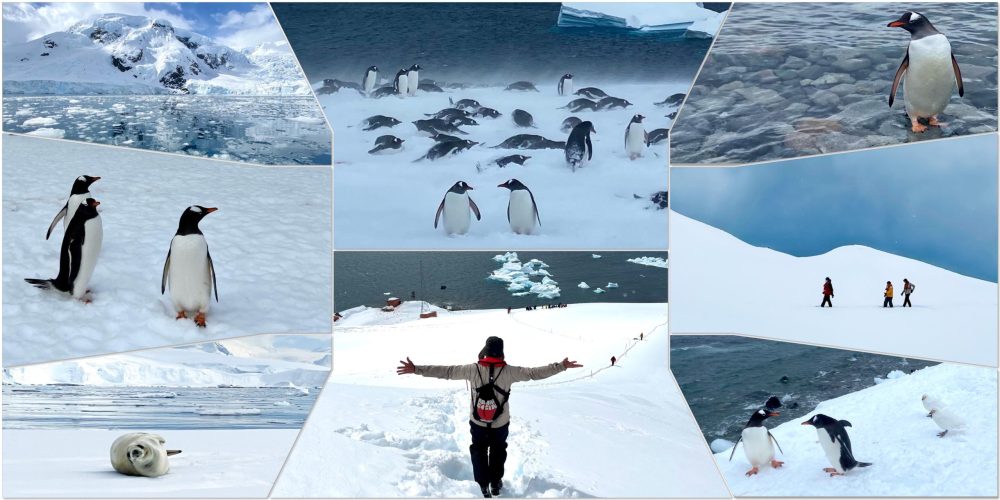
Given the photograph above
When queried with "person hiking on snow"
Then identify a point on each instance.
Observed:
(907, 290)
(888, 295)
(827, 293)
(613, 360)
(490, 379)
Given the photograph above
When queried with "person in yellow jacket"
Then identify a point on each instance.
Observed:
(490, 379)
(888, 295)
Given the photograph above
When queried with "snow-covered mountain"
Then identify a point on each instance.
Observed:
(123, 54)
(774, 295)
(691, 19)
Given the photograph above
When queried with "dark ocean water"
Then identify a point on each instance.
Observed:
(725, 378)
(76, 407)
(480, 43)
(363, 278)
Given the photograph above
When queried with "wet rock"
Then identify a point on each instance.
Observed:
(824, 98)
(851, 65)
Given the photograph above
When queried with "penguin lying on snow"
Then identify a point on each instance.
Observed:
(522, 86)
(530, 141)
(569, 123)
(523, 118)
(77, 195)
(522, 211)
(379, 121)
(928, 71)
(188, 269)
(386, 144)
(446, 148)
(455, 207)
(836, 444)
(81, 245)
(591, 93)
(141, 454)
(758, 442)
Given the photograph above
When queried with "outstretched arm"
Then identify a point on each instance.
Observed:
(521, 374)
(453, 372)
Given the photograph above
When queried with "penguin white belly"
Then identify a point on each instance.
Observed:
(88, 255)
(457, 214)
(757, 446)
(635, 140)
(403, 85)
(521, 212)
(369, 83)
(830, 448)
(412, 82)
(930, 80)
(567, 86)
(189, 277)
(72, 204)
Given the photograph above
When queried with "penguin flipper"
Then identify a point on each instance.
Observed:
(958, 75)
(211, 270)
(737, 443)
(533, 206)
(590, 149)
(845, 423)
(166, 272)
(775, 441)
(439, 210)
(903, 66)
(475, 209)
(62, 213)
(69, 262)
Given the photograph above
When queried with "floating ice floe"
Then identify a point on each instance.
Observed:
(518, 277)
(583, 284)
(158, 395)
(596, 256)
(56, 133)
(40, 121)
(598, 290)
(650, 261)
(282, 403)
(611, 284)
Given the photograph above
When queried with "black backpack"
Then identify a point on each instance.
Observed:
(487, 406)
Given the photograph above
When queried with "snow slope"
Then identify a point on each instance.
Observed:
(213, 464)
(387, 201)
(270, 242)
(690, 18)
(593, 431)
(212, 364)
(123, 54)
(774, 295)
(891, 430)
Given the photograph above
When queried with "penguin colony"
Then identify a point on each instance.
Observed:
(445, 127)
(188, 269)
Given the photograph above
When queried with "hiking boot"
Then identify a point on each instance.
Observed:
(495, 488)
(486, 492)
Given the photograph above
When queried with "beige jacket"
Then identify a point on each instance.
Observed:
(471, 373)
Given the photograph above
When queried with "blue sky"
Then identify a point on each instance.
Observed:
(934, 201)
(238, 25)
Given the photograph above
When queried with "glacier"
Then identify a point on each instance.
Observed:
(691, 20)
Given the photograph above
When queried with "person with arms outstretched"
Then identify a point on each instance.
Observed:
(491, 379)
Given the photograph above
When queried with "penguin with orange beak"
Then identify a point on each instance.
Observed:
(188, 270)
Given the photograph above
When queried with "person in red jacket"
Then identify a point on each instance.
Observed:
(490, 379)
(827, 293)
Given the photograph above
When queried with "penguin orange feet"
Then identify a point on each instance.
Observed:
(199, 319)
(752, 471)
(777, 464)
(933, 121)
(181, 315)
(916, 126)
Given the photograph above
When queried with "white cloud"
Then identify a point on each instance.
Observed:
(25, 21)
(249, 29)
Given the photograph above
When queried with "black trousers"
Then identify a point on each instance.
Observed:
(906, 300)
(826, 301)
(887, 302)
(489, 452)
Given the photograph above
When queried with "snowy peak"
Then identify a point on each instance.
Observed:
(117, 53)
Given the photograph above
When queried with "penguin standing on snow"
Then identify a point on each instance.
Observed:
(522, 211)
(78, 255)
(928, 71)
(188, 270)
(635, 137)
(77, 195)
(412, 79)
(455, 206)
(836, 444)
(579, 150)
(758, 442)
(401, 84)
(370, 81)
(566, 84)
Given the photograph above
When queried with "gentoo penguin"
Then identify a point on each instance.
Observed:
(577, 105)
(370, 80)
(507, 160)
(930, 403)
(530, 141)
(448, 114)
(81, 245)
(591, 93)
(381, 92)
(386, 144)
(435, 126)
(455, 206)
(141, 454)
(522, 86)
(569, 123)
(579, 150)
(429, 87)
(439, 137)
(522, 211)
(947, 420)
(400, 84)
(484, 112)
(566, 84)
(77, 195)
(657, 136)
(188, 269)
(635, 137)
(446, 148)
(523, 118)
(413, 79)
(758, 442)
(928, 71)
(611, 103)
(465, 104)
(379, 121)
(836, 444)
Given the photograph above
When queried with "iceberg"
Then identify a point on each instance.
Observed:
(686, 19)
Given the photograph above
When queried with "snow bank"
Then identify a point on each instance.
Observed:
(890, 429)
(650, 261)
(213, 464)
(954, 317)
(411, 434)
(261, 290)
(688, 18)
